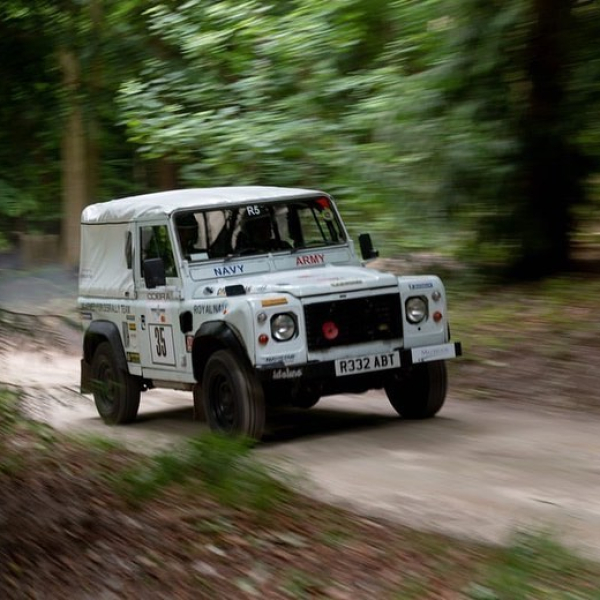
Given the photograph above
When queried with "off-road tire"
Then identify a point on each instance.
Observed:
(116, 392)
(421, 393)
(233, 398)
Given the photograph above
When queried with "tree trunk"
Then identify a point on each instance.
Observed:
(74, 160)
(167, 174)
(95, 82)
(550, 174)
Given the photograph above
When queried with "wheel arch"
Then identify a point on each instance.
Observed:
(104, 331)
(213, 336)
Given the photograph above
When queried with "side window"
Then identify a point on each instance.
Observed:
(155, 243)
(313, 229)
(318, 223)
(129, 250)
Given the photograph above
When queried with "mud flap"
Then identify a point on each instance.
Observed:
(86, 377)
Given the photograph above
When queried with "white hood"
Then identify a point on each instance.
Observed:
(319, 281)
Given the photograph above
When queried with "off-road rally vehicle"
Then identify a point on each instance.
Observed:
(250, 297)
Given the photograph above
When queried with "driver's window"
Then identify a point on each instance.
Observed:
(318, 223)
(313, 229)
(155, 243)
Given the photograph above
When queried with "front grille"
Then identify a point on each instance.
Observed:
(358, 320)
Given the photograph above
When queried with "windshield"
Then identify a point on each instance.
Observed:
(258, 228)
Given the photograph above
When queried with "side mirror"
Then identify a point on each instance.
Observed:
(154, 272)
(366, 247)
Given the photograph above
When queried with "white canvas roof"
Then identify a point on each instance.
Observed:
(164, 203)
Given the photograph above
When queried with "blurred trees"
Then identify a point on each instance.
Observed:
(28, 107)
(97, 44)
(315, 93)
(451, 124)
(62, 144)
(523, 91)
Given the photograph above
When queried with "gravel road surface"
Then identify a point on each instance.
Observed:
(481, 469)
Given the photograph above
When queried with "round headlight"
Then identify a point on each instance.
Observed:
(283, 327)
(416, 309)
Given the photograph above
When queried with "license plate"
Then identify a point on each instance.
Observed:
(429, 353)
(367, 364)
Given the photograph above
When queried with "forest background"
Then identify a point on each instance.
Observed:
(467, 127)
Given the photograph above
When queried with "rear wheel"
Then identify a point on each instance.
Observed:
(232, 396)
(116, 392)
(421, 393)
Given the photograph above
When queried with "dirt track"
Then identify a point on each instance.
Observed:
(480, 469)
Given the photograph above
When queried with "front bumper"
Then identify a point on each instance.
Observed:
(326, 370)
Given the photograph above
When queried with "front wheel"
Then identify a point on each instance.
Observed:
(232, 396)
(116, 392)
(421, 393)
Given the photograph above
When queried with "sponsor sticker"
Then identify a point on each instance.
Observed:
(420, 286)
(228, 270)
(281, 357)
(429, 353)
(310, 259)
(211, 308)
(344, 282)
(287, 374)
(158, 315)
(161, 296)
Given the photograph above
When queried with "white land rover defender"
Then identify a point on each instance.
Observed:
(250, 297)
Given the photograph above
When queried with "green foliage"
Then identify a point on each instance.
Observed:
(301, 585)
(10, 420)
(8, 414)
(534, 566)
(101, 444)
(222, 464)
(419, 116)
(29, 127)
(14, 203)
(103, 38)
(515, 162)
(14, 427)
(312, 93)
